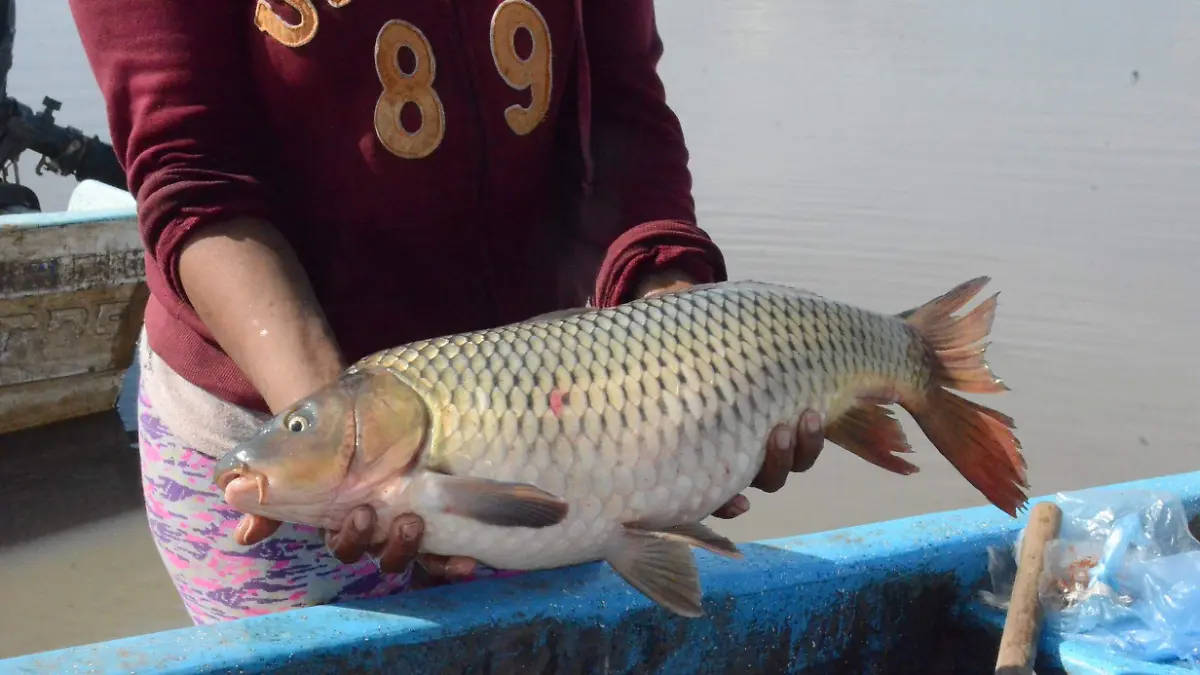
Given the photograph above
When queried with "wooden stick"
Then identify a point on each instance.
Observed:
(1022, 626)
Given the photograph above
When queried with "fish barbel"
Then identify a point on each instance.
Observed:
(610, 434)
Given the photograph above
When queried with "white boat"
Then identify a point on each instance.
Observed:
(72, 296)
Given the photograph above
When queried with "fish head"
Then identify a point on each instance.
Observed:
(329, 452)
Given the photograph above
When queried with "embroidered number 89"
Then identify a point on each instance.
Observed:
(400, 88)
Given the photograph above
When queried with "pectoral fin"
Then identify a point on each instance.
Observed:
(663, 568)
(498, 503)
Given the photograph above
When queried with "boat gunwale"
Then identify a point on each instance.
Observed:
(26, 221)
(571, 609)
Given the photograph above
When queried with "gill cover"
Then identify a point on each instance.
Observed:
(391, 420)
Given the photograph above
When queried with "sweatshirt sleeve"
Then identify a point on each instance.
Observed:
(640, 160)
(180, 106)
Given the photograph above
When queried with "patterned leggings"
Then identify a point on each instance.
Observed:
(217, 578)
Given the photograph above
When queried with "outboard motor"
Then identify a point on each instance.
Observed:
(64, 150)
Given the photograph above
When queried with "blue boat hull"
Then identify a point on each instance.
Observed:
(892, 597)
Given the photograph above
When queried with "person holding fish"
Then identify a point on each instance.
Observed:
(318, 180)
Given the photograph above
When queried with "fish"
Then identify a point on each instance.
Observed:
(609, 434)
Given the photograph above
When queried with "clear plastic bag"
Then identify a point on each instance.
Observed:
(1124, 573)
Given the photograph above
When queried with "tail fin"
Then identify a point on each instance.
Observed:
(977, 440)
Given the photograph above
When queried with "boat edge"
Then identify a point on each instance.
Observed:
(567, 611)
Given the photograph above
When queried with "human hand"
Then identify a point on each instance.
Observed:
(348, 544)
(790, 448)
(398, 551)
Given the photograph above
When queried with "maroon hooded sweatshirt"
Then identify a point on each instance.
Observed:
(438, 165)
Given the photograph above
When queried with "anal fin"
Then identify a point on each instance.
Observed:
(871, 432)
(499, 503)
(662, 567)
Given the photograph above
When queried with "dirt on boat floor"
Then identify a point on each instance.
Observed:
(72, 520)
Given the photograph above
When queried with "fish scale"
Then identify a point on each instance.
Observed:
(610, 434)
(672, 397)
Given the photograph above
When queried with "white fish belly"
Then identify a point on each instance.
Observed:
(656, 489)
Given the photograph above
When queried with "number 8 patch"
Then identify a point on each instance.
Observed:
(401, 88)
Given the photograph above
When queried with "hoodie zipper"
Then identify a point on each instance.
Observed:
(478, 223)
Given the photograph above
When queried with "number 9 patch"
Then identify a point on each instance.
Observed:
(534, 73)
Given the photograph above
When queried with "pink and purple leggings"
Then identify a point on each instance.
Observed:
(217, 578)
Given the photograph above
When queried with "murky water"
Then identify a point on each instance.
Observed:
(879, 153)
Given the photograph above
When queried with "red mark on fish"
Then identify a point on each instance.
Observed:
(556, 402)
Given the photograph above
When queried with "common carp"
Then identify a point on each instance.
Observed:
(610, 434)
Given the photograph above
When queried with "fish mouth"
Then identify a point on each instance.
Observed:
(240, 479)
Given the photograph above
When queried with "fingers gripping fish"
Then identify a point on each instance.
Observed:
(610, 434)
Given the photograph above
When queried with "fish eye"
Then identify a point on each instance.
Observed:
(296, 423)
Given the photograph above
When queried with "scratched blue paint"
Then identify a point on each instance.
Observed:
(17, 221)
(836, 601)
